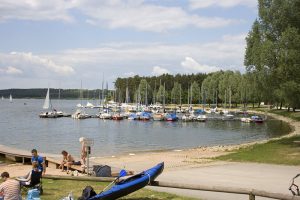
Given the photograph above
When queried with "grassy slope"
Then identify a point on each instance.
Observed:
(57, 189)
(283, 151)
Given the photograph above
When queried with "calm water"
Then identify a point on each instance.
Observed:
(21, 127)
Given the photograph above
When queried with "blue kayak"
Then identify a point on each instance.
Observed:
(130, 184)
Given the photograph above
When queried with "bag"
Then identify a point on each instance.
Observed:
(87, 193)
(33, 194)
(102, 170)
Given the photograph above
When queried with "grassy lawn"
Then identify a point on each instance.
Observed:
(291, 114)
(57, 189)
(283, 151)
(283, 112)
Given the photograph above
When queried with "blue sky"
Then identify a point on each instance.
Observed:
(58, 43)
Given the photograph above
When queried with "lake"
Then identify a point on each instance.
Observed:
(21, 127)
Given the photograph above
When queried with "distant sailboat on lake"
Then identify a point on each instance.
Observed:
(10, 98)
(48, 106)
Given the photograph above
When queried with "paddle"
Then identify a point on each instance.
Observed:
(121, 174)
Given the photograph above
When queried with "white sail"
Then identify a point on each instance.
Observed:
(10, 98)
(47, 101)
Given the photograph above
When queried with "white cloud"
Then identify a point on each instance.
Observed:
(44, 62)
(198, 4)
(32, 64)
(128, 59)
(157, 70)
(13, 70)
(138, 15)
(193, 66)
(36, 10)
(145, 17)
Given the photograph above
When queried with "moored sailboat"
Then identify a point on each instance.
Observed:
(51, 113)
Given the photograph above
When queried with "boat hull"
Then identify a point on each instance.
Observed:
(130, 184)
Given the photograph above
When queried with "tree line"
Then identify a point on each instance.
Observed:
(272, 57)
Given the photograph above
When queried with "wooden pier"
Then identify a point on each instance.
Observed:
(52, 161)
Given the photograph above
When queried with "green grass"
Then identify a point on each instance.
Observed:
(57, 189)
(283, 151)
(283, 112)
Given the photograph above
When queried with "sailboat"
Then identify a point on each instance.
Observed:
(10, 98)
(51, 113)
(80, 112)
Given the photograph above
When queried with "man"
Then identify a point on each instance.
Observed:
(40, 161)
(10, 188)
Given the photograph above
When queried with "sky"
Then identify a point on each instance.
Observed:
(60, 43)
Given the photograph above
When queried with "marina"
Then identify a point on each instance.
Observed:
(22, 128)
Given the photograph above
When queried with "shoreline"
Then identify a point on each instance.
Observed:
(176, 158)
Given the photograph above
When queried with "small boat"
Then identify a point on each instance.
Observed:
(105, 115)
(80, 114)
(246, 119)
(187, 118)
(145, 116)
(158, 117)
(131, 184)
(171, 117)
(10, 98)
(117, 117)
(201, 118)
(51, 113)
(228, 117)
(132, 116)
(257, 119)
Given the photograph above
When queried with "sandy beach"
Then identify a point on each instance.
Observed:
(183, 161)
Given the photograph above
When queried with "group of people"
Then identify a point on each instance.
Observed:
(10, 189)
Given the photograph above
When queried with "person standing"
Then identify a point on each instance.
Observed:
(39, 160)
(10, 188)
(83, 153)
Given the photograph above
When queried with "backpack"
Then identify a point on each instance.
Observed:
(33, 194)
(87, 193)
(102, 170)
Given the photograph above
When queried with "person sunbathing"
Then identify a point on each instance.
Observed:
(67, 160)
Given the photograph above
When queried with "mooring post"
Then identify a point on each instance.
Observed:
(251, 196)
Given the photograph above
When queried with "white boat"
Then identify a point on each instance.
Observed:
(51, 113)
(105, 116)
(201, 118)
(2, 98)
(89, 105)
(187, 118)
(246, 119)
(80, 114)
(10, 98)
(158, 117)
(228, 117)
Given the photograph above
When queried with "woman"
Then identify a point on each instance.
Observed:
(67, 160)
